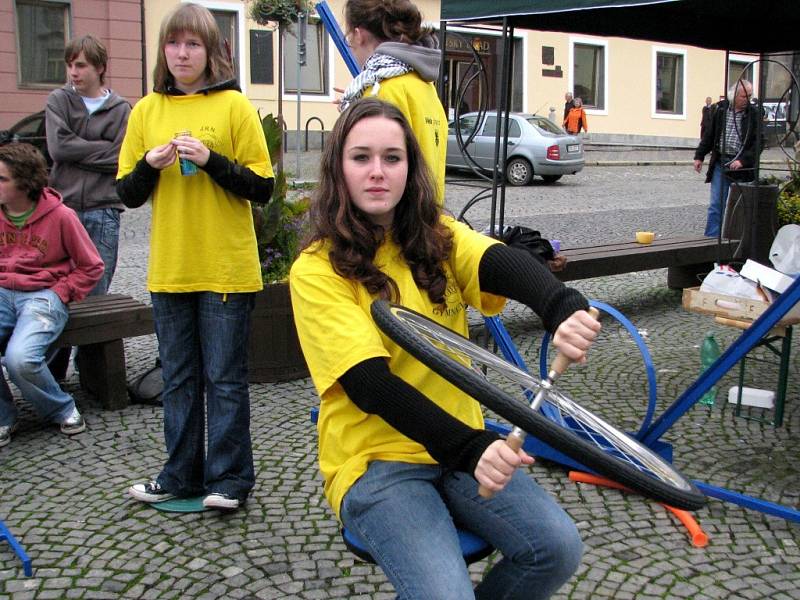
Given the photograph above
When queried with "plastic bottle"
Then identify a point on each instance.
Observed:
(709, 353)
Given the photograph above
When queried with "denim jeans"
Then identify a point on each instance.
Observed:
(202, 342)
(720, 184)
(102, 225)
(406, 515)
(29, 323)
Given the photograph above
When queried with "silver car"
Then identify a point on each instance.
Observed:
(536, 146)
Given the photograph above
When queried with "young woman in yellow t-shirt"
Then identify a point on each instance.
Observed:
(401, 450)
(196, 146)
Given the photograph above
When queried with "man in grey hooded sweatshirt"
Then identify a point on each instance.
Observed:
(85, 126)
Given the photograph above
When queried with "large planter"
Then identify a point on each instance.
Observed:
(274, 350)
(753, 219)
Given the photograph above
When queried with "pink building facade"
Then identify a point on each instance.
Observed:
(32, 38)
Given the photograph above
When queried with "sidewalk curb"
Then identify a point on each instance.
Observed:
(656, 163)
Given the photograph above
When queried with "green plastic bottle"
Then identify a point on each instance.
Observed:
(709, 353)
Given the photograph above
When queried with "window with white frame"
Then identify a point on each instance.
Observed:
(230, 20)
(229, 28)
(314, 74)
(670, 69)
(589, 74)
(42, 32)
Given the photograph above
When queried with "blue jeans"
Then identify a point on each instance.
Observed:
(406, 515)
(102, 225)
(202, 342)
(29, 323)
(720, 185)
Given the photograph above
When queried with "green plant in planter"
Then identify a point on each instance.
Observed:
(281, 224)
(279, 11)
(789, 197)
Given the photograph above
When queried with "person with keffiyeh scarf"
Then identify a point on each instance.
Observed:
(400, 62)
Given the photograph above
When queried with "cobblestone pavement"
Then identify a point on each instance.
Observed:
(64, 497)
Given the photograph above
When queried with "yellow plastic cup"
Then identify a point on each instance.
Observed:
(645, 237)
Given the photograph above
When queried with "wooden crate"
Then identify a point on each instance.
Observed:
(732, 307)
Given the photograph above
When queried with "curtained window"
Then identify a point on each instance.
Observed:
(42, 32)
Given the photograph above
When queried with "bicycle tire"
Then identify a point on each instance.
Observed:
(617, 455)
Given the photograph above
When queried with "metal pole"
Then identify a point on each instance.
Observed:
(302, 20)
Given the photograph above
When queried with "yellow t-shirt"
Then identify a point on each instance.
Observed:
(418, 101)
(336, 332)
(202, 236)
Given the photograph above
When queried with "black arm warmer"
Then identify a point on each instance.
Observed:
(238, 179)
(515, 274)
(375, 390)
(135, 188)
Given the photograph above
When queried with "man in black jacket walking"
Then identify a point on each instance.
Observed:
(731, 140)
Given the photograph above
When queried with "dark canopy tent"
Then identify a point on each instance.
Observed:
(736, 25)
(748, 26)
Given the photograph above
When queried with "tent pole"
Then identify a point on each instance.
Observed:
(508, 66)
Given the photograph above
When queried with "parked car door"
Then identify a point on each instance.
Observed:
(486, 141)
(466, 125)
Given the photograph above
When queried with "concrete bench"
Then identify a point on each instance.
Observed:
(99, 324)
(686, 258)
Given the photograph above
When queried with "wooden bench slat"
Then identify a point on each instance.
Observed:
(99, 324)
(680, 254)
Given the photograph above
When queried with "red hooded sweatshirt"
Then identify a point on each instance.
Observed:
(51, 251)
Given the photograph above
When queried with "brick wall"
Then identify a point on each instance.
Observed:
(117, 23)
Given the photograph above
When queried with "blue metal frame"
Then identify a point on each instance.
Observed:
(652, 389)
(6, 535)
(332, 27)
(736, 351)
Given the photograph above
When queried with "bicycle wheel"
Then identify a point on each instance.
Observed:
(495, 383)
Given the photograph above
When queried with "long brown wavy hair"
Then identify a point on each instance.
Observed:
(387, 20)
(417, 229)
(195, 19)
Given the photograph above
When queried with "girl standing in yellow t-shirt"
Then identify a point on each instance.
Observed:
(401, 450)
(197, 147)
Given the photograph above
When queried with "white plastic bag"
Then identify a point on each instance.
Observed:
(725, 280)
(785, 250)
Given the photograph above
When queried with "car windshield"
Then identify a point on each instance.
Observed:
(546, 125)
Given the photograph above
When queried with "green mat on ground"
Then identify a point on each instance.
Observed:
(181, 505)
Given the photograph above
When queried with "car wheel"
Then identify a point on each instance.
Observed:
(551, 178)
(519, 171)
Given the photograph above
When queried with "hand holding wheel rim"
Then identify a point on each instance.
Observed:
(581, 435)
(516, 438)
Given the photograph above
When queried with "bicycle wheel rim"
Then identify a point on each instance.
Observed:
(582, 436)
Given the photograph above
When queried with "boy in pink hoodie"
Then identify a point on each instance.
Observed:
(46, 261)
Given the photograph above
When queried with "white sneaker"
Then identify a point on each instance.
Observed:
(150, 492)
(73, 424)
(221, 501)
(5, 434)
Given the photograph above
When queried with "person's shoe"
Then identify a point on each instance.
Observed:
(73, 424)
(5, 434)
(221, 501)
(150, 492)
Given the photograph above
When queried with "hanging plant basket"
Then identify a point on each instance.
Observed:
(282, 12)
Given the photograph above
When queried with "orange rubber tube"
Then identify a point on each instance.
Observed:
(697, 535)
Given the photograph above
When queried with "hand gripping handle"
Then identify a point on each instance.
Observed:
(516, 438)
